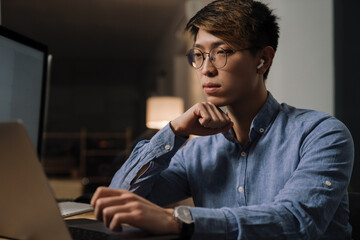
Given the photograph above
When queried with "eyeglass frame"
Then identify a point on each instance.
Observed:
(226, 54)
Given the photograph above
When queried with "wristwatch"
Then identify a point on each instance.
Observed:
(183, 216)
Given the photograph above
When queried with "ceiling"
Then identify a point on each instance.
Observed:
(94, 28)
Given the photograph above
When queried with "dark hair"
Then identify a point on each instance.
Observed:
(240, 23)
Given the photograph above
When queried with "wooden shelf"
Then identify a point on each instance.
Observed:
(90, 145)
(105, 152)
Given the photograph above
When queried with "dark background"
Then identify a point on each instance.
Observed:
(107, 57)
(347, 78)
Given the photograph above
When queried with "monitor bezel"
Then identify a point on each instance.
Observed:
(22, 39)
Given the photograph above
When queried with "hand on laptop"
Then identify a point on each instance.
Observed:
(115, 207)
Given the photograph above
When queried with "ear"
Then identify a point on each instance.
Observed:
(267, 54)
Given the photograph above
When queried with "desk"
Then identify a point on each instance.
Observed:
(88, 215)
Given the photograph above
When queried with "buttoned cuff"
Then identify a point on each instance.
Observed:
(165, 141)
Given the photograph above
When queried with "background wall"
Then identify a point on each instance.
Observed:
(302, 74)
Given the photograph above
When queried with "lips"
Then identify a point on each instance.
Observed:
(211, 87)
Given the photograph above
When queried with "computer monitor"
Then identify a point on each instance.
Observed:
(23, 73)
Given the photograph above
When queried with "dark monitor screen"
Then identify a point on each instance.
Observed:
(23, 65)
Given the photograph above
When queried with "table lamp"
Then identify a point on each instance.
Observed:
(161, 110)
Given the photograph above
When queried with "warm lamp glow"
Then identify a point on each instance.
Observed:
(161, 110)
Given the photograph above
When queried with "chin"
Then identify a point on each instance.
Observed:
(219, 102)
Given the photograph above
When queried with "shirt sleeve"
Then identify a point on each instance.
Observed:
(306, 205)
(158, 152)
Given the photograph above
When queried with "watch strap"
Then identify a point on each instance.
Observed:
(186, 231)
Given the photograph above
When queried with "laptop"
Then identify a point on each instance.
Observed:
(27, 205)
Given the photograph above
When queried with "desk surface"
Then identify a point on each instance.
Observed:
(88, 215)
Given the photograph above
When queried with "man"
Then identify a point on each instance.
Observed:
(263, 170)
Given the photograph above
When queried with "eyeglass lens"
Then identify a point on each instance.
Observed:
(217, 57)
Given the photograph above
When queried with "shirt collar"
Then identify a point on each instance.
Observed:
(262, 120)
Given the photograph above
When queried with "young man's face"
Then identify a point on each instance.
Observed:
(236, 81)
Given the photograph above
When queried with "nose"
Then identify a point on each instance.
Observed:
(208, 68)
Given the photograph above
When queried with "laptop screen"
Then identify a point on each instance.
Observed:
(23, 65)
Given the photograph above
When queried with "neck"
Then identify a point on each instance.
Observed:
(243, 112)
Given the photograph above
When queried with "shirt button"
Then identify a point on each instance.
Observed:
(327, 182)
(243, 154)
(240, 189)
(167, 147)
(261, 130)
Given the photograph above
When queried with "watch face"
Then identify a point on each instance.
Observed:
(183, 213)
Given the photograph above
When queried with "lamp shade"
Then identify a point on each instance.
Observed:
(161, 110)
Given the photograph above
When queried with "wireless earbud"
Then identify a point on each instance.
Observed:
(261, 64)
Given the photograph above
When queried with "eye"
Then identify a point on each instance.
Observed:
(229, 51)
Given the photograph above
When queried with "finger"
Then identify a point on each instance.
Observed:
(214, 118)
(224, 115)
(220, 115)
(227, 127)
(222, 119)
(141, 216)
(211, 131)
(103, 203)
(117, 220)
(204, 116)
(104, 192)
(124, 197)
(132, 197)
(110, 212)
(133, 213)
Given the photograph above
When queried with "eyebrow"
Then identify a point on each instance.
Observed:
(214, 44)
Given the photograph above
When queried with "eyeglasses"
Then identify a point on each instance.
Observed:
(217, 56)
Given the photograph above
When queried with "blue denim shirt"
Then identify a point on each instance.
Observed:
(289, 182)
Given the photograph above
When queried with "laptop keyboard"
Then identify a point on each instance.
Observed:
(86, 234)
(87, 229)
